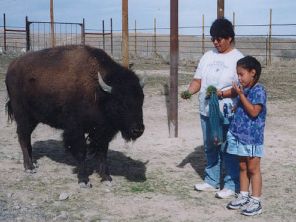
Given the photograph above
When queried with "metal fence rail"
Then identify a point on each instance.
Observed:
(269, 43)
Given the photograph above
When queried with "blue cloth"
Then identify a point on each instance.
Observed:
(246, 129)
(236, 148)
(218, 161)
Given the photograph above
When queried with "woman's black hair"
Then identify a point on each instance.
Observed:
(222, 28)
(249, 63)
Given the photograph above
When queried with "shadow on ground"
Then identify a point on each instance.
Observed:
(119, 164)
(196, 159)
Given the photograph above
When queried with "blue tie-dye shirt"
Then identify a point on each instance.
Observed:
(250, 130)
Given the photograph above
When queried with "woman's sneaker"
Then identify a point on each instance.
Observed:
(225, 193)
(239, 202)
(204, 187)
(252, 208)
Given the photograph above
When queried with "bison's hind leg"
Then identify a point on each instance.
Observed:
(74, 140)
(25, 128)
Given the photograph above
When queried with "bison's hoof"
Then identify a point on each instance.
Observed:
(106, 178)
(107, 183)
(30, 171)
(85, 185)
(90, 155)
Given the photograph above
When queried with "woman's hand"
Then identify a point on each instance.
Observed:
(186, 94)
(220, 94)
(193, 88)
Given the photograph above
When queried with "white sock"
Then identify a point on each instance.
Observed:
(244, 193)
(256, 198)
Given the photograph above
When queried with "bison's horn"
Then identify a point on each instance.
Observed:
(103, 85)
(142, 82)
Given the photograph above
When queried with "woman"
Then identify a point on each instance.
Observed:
(217, 67)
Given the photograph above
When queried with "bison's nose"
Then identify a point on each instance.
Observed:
(138, 131)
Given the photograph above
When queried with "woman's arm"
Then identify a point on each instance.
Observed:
(193, 88)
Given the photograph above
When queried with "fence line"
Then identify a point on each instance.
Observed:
(149, 42)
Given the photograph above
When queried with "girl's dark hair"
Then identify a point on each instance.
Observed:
(249, 63)
(222, 28)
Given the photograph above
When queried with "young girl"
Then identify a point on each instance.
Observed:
(245, 135)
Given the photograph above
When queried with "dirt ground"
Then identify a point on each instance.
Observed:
(153, 177)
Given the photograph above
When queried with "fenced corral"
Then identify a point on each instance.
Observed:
(65, 33)
(266, 41)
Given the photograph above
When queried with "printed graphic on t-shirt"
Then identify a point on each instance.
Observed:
(214, 71)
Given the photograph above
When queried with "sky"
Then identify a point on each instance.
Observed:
(250, 12)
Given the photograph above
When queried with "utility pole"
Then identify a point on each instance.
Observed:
(52, 24)
(220, 8)
(125, 33)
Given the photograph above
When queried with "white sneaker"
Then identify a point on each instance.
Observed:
(252, 208)
(204, 187)
(225, 193)
(239, 202)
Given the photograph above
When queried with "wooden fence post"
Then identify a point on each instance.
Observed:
(203, 35)
(220, 8)
(270, 33)
(28, 43)
(4, 32)
(174, 59)
(266, 49)
(233, 21)
(135, 37)
(125, 56)
(103, 27)
(83, 32)
(111, 27)
(154, 39)
(52, 26)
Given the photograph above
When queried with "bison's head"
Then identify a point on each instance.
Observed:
(124, 104)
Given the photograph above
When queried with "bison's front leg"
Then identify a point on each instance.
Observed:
(75, 141)
(101, 150)
(103, 165)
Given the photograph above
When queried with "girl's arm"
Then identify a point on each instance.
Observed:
(229, 93)
(252, 110)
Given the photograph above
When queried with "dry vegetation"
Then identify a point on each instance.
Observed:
(154, 177)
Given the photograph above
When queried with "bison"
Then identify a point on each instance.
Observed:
(81, 90)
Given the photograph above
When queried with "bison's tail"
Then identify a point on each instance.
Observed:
(9, 111)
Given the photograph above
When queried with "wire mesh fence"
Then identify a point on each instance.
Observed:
(268, 42)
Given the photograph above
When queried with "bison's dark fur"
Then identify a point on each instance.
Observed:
(59, 87)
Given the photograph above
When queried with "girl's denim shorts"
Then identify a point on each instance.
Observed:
(237, 148)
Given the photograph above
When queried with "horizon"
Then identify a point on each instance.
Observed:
(144, 12)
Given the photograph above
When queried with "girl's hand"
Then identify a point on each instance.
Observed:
(238, 88)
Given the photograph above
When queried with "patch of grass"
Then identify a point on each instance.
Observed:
(279, 81)
(142, 188)
(157, 182)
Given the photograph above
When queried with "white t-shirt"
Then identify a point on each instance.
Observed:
(219, 70)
